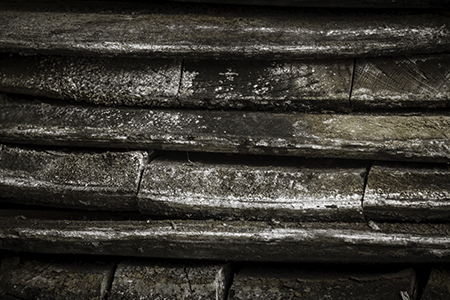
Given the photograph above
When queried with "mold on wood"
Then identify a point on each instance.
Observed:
(216, 186)
(97, 80)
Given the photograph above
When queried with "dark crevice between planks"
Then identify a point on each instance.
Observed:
(351, 84)
(110, 283)
(423, 273)
(366, 178)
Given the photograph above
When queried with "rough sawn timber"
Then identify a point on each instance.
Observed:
(255, 188)
(82, 180)
(362, 136)
(171, 29)
(402, 82)
(438, 285)
(231, 240)
(408, 192)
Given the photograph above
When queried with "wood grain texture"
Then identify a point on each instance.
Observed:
(364, 136)
(402, 82)
(22, 277)
(202, 186)
(408, 192)
(159, 279)
(97, 80)
(234, 241)
(255, 84)
(305, 282)
(171, 29)
(82, 180)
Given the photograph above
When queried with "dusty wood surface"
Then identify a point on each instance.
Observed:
(159, 279)
(83, 180)
(383, 137)
(438, 286)
(254, 84)
(234, 241)
(97, 80)
(171, 29)
(408, 192)
(206, 186)
(402, 82)
(274, 283)
(29, 279)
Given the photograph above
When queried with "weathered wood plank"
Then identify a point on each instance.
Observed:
(438, 285)
(402, 82)
(273, 283)
(170, 29)
(234, 241)
(383, 137)
(157, 279)
(96, 181)
(28, 279)
(202, 186)
(253, 84)
(408, 192)
(111, 81)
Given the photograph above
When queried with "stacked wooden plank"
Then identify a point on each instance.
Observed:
(211, 133)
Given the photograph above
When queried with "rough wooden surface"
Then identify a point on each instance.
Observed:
(206, 186)
(438, 286)
(402, 82)
(234, 241)
(408, 192)
(29, 279)
(362, 136)
(255, 84)
(170, 29)
(303, 282)
(98, 80)
(159, 279)
(82, 180)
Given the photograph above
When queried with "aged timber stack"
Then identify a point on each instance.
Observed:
(170, 150)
